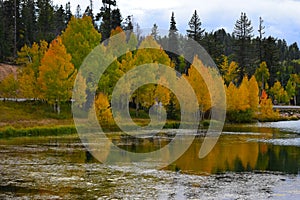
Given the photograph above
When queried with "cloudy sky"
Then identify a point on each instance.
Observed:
(281, 17)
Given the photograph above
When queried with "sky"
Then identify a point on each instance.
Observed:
(281, 17)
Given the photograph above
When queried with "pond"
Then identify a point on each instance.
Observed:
(250, 161)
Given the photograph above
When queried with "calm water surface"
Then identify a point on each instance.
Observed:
(255, 161)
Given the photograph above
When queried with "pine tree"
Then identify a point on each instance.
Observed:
(110, 18)
(195, 32)
(244, 55)
(154, 32)
(271, 57)
(261, 31)
(173, 44)
(28, 23)
(78, 12)
(59, 20)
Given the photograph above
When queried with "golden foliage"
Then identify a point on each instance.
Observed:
(102, 108)
(56, 73)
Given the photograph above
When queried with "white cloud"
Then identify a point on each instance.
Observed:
(280, 16)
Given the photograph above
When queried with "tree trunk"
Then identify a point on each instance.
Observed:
(58, 108)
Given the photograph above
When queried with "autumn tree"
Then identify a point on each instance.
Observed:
(80, 38)
(229, 71)
(9, 87)
(253, 94)
(102, 108)
(56, 75)
(199, 85)
(266, 112)
(262, 76)
(278, 93)
(30, 60)
(80, 91)
(291, 87)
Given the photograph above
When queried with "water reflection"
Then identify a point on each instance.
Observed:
(61, 167)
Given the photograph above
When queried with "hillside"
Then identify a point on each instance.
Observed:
(6, 69)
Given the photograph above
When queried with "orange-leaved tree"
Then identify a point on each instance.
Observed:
(56, 75)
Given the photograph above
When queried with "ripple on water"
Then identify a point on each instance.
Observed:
(281, 142)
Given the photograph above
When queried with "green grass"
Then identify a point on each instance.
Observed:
(33, 113)
(8, 132)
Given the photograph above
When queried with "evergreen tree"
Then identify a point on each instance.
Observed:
(28, 23)
(128, 23)
(243, 53)
(78, 12)
(271, 57)
(261, 32)
(59, 20)
(2, 32)
(195, 32)
(116, 20)
(173, 44)
(154, 32)
(45, 22)
(68, 12)
(110, 18)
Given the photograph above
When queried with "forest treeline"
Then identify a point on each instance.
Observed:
(50, 43)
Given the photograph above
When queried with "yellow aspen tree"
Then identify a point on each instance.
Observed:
(162, 94)
(199, 85)
(9, 87)
(262, 75)
(80, 38)
(80, 89)
(266, 109)
(278, 93)
(229, 71)
(253, 94)
(56, 74)
(232, 97)
(243, 95)
(102, 108)
(30, 59)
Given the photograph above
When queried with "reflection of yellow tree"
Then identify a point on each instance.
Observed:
(222, 158)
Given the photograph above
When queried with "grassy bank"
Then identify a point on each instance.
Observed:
(19, 119)
(8, 132)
